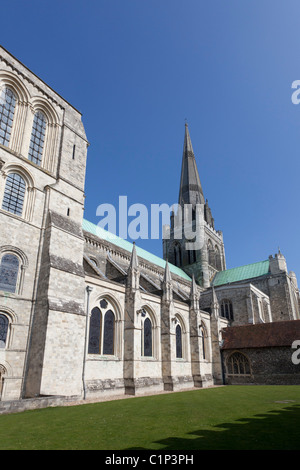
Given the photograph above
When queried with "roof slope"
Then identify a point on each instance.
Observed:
(121, 243)
(261, 335)
(242, 273)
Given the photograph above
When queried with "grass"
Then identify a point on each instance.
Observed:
(233, 417)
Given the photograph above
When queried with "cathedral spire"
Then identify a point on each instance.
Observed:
(190, 186)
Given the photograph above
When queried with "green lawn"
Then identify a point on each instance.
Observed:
(232, 417)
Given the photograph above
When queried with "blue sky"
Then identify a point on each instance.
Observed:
(136, 69)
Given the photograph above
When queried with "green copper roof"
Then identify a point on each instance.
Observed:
(121, 243)
(241, 273)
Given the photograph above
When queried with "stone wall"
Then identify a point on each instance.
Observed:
(269, 366)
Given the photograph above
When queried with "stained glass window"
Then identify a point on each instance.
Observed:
(7, 109)
(102, 330)
(95, 332)
(3, 330)
(9, 269)
(147, 337)
(109, 333)
(14, 194)
(103, 303)
(37, 138)
(178, 342)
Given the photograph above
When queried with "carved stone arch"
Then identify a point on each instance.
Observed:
(114, 302)
(23, 264)
(238, 364)
(7, 368)
(147, 315)
(149, 310)
(15, 250)
(28, 203)
(181, 336)
(113, 307)
(5, 371)
(12, 316)
(11, 81)
(39, 104)
(20, 169)
(179, 319)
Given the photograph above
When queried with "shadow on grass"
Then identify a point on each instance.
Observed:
(275, 430)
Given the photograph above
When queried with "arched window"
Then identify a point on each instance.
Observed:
(37, 138)
(218, 258)
(204, 342)
(211, 254)
(102, 330)
(226, 309)
(3, 330)
(9, 270)
(147, 338)
(109, 333)
(238, 364)
(147, 333)
(177, 255)
(7, 109)
(178, 333)
(95, 331)
(14, 194)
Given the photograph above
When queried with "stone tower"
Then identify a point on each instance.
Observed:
(194, 219)
(43, 149)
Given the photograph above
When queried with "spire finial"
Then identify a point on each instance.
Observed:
(167, 275)
(134, 259)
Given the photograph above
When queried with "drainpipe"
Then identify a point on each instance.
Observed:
(88, 291)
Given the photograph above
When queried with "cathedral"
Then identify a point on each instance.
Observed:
(85, 316)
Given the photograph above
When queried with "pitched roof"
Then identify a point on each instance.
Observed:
(242, 273)
(261, 335)
(125, 245)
